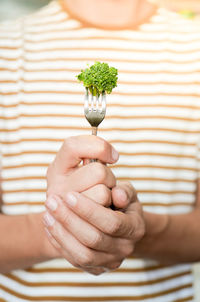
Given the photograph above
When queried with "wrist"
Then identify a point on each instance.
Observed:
(45, 248)
(155, 225)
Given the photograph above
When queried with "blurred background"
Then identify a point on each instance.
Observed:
(11, 9)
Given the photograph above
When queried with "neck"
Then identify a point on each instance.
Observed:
(110, 14)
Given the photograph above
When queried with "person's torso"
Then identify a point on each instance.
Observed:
(152, 119)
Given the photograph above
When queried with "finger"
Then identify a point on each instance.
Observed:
(95, 271)
(100, 270)
(50, 228)
(83, 231)
(62, 252)
(123, 194)
(110, 222)
(81, 179)
(74, 251)
(119, 199)
(77, 148)
(89, 176)
(52, 240)
(100, 194)
(131, 206)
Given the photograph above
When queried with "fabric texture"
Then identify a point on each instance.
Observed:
(153, 120)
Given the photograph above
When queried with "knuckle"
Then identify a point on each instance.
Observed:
(57, 246)
(131, 189)
(115, 265)
(63, 217)
(88, 213)
(103, 146)
(131, 232)
(112, 176)
(136, 229)
(86, 259)
(126, 248)
(139, 233)
(133, 194)
(100, 172)
(114, 225)
(129, 249)
(97, 272)
(105, 195)
(95, 240)
(69, 143)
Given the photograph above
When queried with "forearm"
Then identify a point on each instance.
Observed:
(23, 242)
(171, 239)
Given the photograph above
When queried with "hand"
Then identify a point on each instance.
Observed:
(93, 180)
(91, 237)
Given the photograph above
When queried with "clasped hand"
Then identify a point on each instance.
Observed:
(79, 221)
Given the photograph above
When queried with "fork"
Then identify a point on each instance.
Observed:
(95, 111)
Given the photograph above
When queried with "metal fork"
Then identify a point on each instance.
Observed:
(95, 110)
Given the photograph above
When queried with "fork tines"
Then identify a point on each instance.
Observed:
(94, 108)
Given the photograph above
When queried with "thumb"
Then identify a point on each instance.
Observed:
(77, 148)
(123, 194)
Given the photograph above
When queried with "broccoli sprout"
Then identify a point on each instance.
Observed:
(99, 78)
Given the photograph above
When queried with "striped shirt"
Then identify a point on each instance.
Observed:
(153, 120)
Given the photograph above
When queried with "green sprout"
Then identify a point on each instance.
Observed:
(99, 78)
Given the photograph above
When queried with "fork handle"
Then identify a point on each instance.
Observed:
(94, 132)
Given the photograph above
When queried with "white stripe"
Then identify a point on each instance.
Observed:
(138, 78)
(60, 16)
(26, 171)
(123, 88)
(22, 209)
(163, 198)
(154, 159)
(173, 210)
(126, 45)
(68, 24)
(29, 158)
(141, 109)
(81, 63)
(78, 291)
(114, 55)
(25, 197)
(109, 277)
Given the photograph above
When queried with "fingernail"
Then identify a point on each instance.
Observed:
(51, 204)
(71, 199)
(115, 154)
(49, 220)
